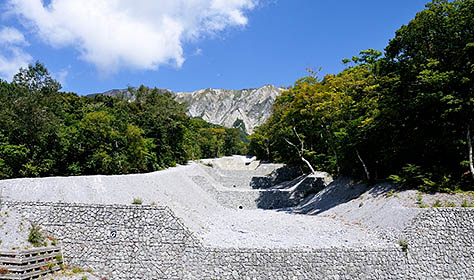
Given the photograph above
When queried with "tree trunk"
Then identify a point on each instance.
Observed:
(469, 144)
(309, 165)
(367, 174)
(301, 152)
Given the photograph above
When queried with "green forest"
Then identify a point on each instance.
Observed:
(46, 132)
(404, 115)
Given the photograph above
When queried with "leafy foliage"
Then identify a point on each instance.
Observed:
(44, 132)
(35, 237)
(404, 116)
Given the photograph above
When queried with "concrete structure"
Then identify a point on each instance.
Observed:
(150, 242)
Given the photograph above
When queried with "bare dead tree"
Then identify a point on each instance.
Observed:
(301, 150)
(367, 174)
(469, 145)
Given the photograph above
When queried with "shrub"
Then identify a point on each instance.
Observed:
(137, 201)
(437, 203)
(404, 245)
(35, 237)
(51, 266)
(3, 271)
(59, 258)
(414, 176)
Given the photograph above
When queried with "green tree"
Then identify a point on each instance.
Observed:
(102, 143)
(36, 78)
(32, 115)
(430, 105)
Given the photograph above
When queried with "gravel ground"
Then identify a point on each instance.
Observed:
(384, 215)
(344, 215)
(69, 275)
(382, 209)
(212, 223)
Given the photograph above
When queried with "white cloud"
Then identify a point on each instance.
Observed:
(61, 76)
(141, 34)
(12, 57)
(10, 35)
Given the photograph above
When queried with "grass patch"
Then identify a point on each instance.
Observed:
(465, 204)
(392, 193)
(137, 201)
(76, 270)
(437, 203)
(419, 200)
(449, 204)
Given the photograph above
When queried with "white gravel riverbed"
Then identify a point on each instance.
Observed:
(343, 224)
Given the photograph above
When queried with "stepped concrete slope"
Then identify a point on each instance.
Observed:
(203, 222)
(192, 194)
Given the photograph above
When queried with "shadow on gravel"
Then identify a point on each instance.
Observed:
(275, 199)
(276, 177)
(341, 190)
(289, 193)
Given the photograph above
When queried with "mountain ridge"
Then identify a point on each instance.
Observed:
(245, 108)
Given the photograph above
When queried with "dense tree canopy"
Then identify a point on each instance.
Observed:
(407, 116)
(44, 132)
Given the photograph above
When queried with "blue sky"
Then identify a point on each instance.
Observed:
(97, 45)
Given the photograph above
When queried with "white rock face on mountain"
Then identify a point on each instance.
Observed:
(225, 107)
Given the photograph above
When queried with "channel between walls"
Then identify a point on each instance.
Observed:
(151, 242)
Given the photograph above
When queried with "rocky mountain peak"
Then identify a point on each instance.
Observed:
(226, 107)
(245, 108)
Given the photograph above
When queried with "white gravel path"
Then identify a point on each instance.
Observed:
(212, 223)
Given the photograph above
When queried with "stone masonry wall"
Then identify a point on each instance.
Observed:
(147, 242)
(441, 244)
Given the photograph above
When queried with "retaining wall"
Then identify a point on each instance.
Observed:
(146, 242)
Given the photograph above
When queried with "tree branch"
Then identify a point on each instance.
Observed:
(287, 141)
(367, 174)
(301, 141)
(469, 144)
(301, 152)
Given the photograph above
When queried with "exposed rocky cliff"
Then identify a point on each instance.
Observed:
(246, 108)
(227, 107)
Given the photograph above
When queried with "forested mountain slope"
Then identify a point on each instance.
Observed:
(245, 108)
